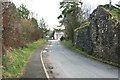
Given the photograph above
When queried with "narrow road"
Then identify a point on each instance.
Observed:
(68, 64)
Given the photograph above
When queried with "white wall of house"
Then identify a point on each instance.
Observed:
(58, 35)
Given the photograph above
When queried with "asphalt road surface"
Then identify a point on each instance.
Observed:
(34, 68)
(68, 64)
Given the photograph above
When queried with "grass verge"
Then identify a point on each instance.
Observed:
(69, 44)
(14, 62)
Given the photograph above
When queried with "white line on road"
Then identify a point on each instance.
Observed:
(44, 65)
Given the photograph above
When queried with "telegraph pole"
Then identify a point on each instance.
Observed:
(110, 3)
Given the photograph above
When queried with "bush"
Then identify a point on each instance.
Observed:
(17, 30)
(62, 38)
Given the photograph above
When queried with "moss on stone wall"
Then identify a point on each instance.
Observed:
(100, 35)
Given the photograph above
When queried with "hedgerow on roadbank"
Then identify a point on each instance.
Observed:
(19, 27)
(15, 61)
(69, 44)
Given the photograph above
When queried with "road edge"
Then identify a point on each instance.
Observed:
(45, 70)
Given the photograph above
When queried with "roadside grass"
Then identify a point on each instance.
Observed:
(69, 45)
(14, 62)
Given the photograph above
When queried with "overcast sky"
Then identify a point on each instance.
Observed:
(49, 9)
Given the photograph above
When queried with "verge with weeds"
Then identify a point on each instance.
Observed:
(15, 61)
(69, 44)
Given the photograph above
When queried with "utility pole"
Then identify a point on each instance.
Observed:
(110, 3)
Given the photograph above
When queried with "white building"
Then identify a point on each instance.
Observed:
(58, 35)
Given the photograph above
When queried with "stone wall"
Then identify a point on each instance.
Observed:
(101, 37)
(1, 28)
(83, 39)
